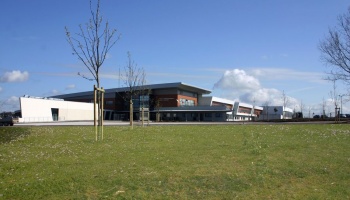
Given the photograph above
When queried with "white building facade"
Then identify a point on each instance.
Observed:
(236, 111)
(36, 109)
(276, 112)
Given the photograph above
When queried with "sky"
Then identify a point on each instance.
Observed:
(251, 51)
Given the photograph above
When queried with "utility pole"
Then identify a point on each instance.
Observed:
(341, 103)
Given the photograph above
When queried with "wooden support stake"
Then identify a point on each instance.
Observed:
(95, 111)
(143, 116)
(100, 92)
(102, 108)
(94, 105)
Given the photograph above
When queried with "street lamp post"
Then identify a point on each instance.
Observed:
(341, 103)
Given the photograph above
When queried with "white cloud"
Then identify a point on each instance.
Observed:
(238, 84)
(238, 80)
(10, 104)
(14, 76)
(262, 95)
(287, 74)
(12, 100)
(55, 92)
(69, 87)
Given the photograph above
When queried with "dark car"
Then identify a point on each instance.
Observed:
(342, 116)
(317, 117)
(6, 121)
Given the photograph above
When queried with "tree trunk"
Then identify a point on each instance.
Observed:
(131, 114)
(99, 114)
(142, 115)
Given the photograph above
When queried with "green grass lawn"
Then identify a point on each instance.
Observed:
(176, 162)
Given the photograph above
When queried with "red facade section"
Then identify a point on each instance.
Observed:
(169, 100)
(173, 100)
(228, 106)
(244, 110)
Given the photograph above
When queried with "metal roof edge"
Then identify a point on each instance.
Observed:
(149, 86)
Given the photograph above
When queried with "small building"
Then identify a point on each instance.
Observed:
(39, 109)
(237, 111)
(246, 112)
(276, 112)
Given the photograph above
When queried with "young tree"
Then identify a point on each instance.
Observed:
(266, 108)
(335, 49)
(92, 44)
(334, 98)
(309, 108)
(134, 78)
(302, 106)
(324, 105)
(285, 100)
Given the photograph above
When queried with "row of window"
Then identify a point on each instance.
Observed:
(189, 94)
(217, 115)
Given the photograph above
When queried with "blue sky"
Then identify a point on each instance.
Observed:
(242, 50)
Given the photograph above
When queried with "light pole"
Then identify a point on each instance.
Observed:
(341, 103)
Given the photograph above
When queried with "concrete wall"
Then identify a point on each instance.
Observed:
(39, 109)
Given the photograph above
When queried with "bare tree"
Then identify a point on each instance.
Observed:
(2, 103)
(324, 105)
(302, 106)
(134, 78)
(335, 49)
(266, 106)
(333, 94)
(309, 108)
(157, 106)
(285, 100)
(92, 44)
(334, 98)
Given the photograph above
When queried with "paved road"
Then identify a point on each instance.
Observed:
(124, 123)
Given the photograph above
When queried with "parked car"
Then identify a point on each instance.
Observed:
(342, 116)
(316, 117)
(6, 121)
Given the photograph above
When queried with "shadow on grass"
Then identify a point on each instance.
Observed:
(8, 134)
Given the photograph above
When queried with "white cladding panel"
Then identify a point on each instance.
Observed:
(35, 109)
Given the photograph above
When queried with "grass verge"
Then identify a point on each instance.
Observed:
(176, 162)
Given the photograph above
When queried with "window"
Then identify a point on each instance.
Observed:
(141, 101)
(187, 93)
(186, 102)
(144, 101)
(109, 103)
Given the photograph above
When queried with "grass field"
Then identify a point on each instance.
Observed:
(176, 162)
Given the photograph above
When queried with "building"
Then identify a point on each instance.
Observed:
(246, 112)
(38, 109)
(161, 102)
(237, 111)
(276, 112)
